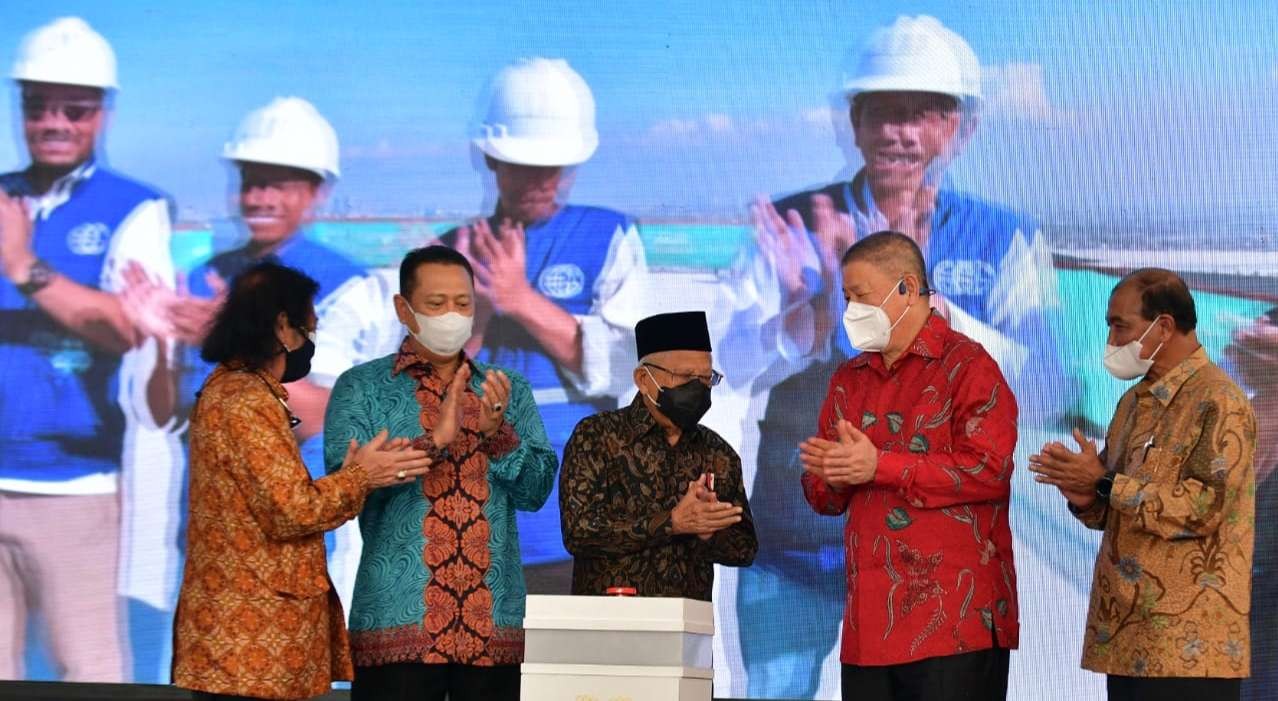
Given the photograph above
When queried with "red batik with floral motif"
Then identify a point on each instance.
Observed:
(459, 604)
(928, 546)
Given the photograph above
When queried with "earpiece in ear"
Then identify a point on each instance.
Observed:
(900, 286)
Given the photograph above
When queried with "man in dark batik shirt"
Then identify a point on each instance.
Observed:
(649, 498)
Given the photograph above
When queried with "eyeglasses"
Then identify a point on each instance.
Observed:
(33, 110)
(711, 380)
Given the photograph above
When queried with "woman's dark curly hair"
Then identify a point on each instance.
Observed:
(244, 329)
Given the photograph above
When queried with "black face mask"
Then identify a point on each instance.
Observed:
(297, 362)
(686, 404)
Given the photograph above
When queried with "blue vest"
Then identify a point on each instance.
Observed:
(965, 249)
(328, 267)
(59, 417)
(565, 256)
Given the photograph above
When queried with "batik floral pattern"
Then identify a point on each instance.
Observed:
(1171, 592)
(928, 545)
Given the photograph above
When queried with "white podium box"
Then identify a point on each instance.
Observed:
(617, 648)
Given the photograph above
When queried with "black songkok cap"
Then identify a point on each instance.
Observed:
(672, 332)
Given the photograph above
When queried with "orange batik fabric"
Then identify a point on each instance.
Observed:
(257, 615)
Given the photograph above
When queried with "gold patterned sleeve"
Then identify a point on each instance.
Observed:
(266, 464)
(1210, 481)
(1093, 516)
(598, 521)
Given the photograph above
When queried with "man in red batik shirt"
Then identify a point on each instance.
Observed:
(915, 444)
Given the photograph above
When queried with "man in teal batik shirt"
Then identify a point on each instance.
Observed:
(439, 596)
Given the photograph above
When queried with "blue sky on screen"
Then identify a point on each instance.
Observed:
(1113, 109)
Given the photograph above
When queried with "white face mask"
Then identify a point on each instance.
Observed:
(1124, 362)
(868, 326)
(444, 334)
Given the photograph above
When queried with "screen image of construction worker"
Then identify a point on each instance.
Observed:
(598, 163)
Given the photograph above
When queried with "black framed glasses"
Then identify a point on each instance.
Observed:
(711, 380)
(73, 111)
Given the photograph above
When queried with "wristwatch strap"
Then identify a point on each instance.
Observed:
(39, 275)
(1105, 485)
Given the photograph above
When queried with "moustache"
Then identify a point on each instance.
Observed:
(55, 135)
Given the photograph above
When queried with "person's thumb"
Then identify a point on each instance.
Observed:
(1084, 444)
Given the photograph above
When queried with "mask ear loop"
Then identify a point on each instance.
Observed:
(1151, 328)
(901, 289)
(654, 381)
(888, 296)
(306, 336)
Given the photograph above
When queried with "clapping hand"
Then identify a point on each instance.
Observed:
(493, 401)
(700, 512)
(191, 316)
(835, 233)
(501, 275)
(387, 461)
(784, 243)
(849, 461)
(147, 303)
(16, 255)
(915, 218)
(1074, 474)
(445, 430)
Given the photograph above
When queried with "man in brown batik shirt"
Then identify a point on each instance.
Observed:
(649, 498)
(1174, 491)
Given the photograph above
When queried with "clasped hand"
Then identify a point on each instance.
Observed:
(499, 264)
(849, 461)
(1074, 474)
(701, 513)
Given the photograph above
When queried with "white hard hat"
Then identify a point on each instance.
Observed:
(66, 51)
(288, 132)
(907, 55)
(969, 64)
(540, 112)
